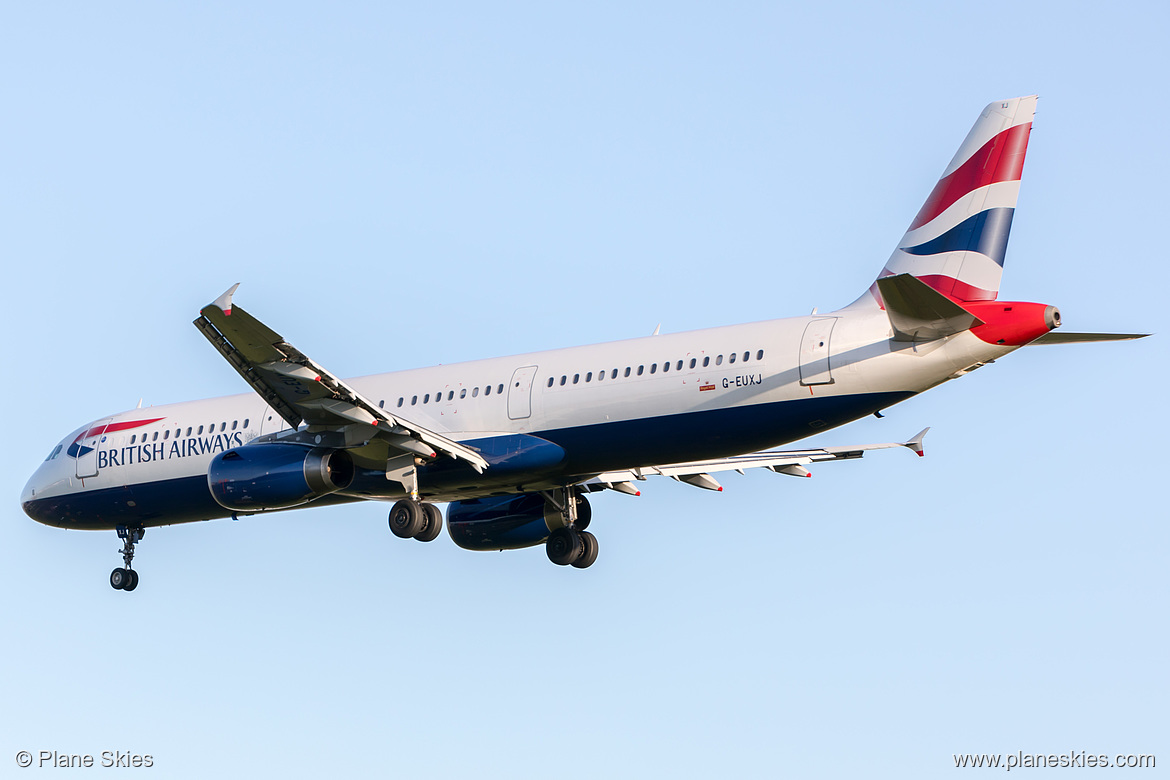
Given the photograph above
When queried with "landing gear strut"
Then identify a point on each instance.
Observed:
(410, 519)
(127, 578)
(571, 545)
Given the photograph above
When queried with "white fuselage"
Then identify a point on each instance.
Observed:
(659, 399)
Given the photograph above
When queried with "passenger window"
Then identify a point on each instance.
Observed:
(693, 362)
(233, 425)
(487, 390)
(614, 374)
(245, 425)
(576, 378)
(747, 356)
(200, 431)
(563, 380)
(653, 368)
(589, 377)
(665, 367)
(706, 361)
(731, 358)
(427, 398)
(450, 395)
(550, 381)
(188, 430)
(500, 389)
(719, 360)
(600, 375)
(462, 393)
(679, 366)
(413, 400)
(400, 400)
(475, 393)
(166, 435)
(133, 437)
(627, 371)
(382, 404)
(222, 427)
(640, 370)
(760, 355)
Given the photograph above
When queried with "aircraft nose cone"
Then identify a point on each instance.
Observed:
(29, 491)
(34, 502)
(33, 509)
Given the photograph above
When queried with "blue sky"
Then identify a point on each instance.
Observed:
(397, 187)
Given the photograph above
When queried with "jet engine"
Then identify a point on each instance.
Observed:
(502, 522)
(276, 476)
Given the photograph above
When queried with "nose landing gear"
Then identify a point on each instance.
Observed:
(126, 578)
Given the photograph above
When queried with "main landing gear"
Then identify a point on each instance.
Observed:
(571, 545)
(127, 578)
(411, 519)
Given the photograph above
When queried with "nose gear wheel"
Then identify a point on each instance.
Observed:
(126, 578)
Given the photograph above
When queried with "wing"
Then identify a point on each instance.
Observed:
(303, 392)
(791, 462)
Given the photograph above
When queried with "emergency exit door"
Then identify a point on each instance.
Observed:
(815, 349)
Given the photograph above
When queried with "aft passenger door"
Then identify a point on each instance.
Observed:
(520, 393)
(814, 352)
(88, 446)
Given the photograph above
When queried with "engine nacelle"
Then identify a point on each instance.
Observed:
(276, 476)
(502, 522)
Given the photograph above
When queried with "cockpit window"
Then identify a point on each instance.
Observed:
(55, 452)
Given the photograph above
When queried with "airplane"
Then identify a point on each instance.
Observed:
(514, 445)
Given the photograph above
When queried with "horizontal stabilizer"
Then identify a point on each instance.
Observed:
(1060, 337)
(918, 312)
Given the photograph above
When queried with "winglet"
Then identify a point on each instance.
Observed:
(224, 302)
(916, 443)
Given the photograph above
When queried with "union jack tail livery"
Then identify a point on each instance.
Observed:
(956, 243)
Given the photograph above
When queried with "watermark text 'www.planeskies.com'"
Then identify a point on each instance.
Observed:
(1071, 759)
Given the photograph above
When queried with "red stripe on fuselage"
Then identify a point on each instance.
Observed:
(115, 427)
(1000, 159)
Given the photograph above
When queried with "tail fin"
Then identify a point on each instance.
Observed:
(957, 242)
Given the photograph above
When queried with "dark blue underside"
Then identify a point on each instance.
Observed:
(589, 450)
(715, 433)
